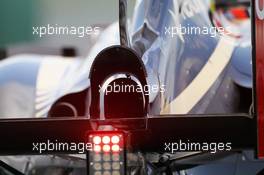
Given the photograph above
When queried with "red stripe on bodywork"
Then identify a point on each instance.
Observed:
(260, 81)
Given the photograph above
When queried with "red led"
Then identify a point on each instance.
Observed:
(115, 148)
(106, 148)
(115, 139)
(97, 148)
(97, 140)
(106, 139)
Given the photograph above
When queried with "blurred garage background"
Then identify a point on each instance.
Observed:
(18, 17)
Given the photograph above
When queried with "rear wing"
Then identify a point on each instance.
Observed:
(147, 134)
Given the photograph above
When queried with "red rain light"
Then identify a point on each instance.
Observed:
(115, 148)
(115, 139)
(106, 139)
(97, 148)
(97, 140)
(108, 152)
(106, 148)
